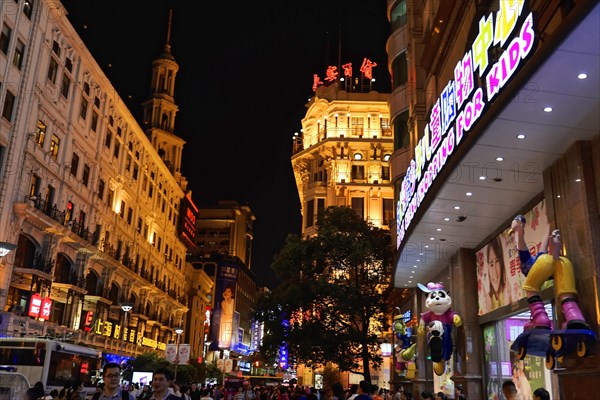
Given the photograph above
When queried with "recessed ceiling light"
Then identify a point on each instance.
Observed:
(457, 207)
(426, 246)
(420, 254)
(499, 158)
(469, 194)
(547, 109)
(410, 276)
(583, 75)
(414, 266)
(520, 136)
(431, 238)
(409, 281)
(418, 260)
(446, 219)
(439, 229)
(578, 180)
(558, 196)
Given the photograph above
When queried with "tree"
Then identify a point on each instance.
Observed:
(330, 304)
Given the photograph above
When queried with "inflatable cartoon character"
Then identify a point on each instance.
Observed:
(405, 351)
(438, 320)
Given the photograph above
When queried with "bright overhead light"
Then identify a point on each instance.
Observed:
(446, 219)
(439, 229)
(558, 196)
(520, 136)
(410, 276)
(420, 254)
(499, 158)
(582, 75)
(482, 178)
(578, 180)
(547, 109)
(409, 281)
(414, 266)
(426, 246)
(431, 238)
(418, 260)
(468, 194)
(457, 207)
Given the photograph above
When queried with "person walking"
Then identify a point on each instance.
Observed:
(510, 390)
(541, 394)
(162, 382)
(111, 375)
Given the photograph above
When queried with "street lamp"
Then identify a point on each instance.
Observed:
(178, 331)
(6, 248)
(126, 307)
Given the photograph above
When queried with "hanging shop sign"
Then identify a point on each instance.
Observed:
(461, 104)
(39, 307)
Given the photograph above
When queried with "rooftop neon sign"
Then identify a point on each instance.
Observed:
(460, 104)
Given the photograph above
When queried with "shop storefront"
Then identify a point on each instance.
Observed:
(524, 139)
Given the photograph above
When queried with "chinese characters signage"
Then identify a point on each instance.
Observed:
(461, 103)
(39, 307)
(332, 73)
(189, 214)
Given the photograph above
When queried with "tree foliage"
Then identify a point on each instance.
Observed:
(330, 306)
(186, 373)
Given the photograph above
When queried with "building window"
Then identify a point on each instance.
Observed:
(117, 149)
(86, 174)
(5, 38)
(122, 210)
(135, 172)
(52, 70)
(386, 130)
(388, 212)
(100, 189)
(358, 205)
(9, 105)
(83, 108)
(34, 187)
(108, 139)
(96, 102)
(320, 206)
(357, 124)
(399, 70)
(74, 164)
(19, 54)
(398, 15)
(310, 213)
(110, 198)
(56, 48)
(40, 133)
(358, 172)
(129, 215)
(54, 146)
(385, 172)
(94, 124)
(69, 64)
(28, 8)
(65, 86)
(86, 88)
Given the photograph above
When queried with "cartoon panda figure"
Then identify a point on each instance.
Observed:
(438, 320)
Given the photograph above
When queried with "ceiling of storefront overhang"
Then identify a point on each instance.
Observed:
(575, 116)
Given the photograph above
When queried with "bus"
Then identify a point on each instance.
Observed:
(52, 362)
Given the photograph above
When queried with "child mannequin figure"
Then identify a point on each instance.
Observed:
(547, 263)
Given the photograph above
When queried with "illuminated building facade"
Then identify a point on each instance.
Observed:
(91, 199)
(341, 158)
(490, 108)
(224, 236)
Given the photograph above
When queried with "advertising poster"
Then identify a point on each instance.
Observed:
(224, 324)
(184, 354)
(171, 352)
(499, 277)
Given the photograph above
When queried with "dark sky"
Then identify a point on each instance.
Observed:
(245, 76)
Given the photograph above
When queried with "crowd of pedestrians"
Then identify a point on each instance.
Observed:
(163, 387)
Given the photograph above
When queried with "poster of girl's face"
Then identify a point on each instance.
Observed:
(499, 277)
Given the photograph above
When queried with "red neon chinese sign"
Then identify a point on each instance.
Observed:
(35, 303)
(367, 68)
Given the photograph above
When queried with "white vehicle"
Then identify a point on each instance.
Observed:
(54, 363)
(12, 385)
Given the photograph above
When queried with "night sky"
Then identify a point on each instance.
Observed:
(246, 71)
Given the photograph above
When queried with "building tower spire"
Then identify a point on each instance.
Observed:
(160, 109)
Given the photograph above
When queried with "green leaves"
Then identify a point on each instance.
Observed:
(331, 292)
